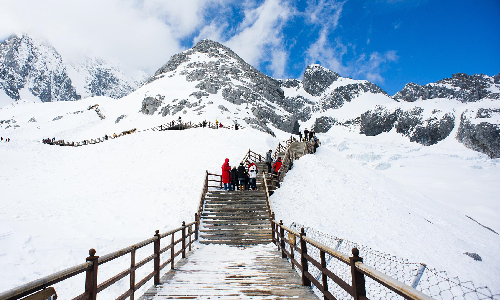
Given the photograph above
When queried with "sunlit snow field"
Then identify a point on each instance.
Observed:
(383, 192)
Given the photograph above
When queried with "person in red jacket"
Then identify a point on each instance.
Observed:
(226, 175)
(277, 166)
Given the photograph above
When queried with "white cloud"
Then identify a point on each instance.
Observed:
(140, 34)
(261, 31)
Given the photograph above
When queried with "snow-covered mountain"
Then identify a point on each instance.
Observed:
(31, 69)
(410, 200)
(248, 95)
(210, 81)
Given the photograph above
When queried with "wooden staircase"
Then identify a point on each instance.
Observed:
(236, 217)
(235, 258)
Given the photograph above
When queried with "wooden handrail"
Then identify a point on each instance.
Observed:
(359, 269)
(93, 262)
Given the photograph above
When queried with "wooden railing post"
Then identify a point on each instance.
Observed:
(282, 240)
(157, 257)
(196, 226)
(172, 252)
(273, 230)
(132, 273)
(183, 239)
(303, 260)
(91, 278)
(358, 278)
(324, 278)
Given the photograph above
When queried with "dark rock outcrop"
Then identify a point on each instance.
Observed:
(377, 121)
(410, 123)
(426, 132)
(477, 132)
(317, 79)
(347, 93)
(150, 105)
(461, 87)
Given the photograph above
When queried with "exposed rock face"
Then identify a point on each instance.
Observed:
(150, 105)
(27, 64)
(317, 79)
(377, 121)
(479, 130)
(347, 93)
(461, 87)
(426, 131)
(323, 124)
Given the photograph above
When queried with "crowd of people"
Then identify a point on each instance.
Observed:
(48, 140)
(4, 140)
(245, 176)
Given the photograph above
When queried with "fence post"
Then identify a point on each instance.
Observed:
(157, 257)
(196, 226)
(324, 278)
(303, 260)
(273, 239)
(132, 273)
(172, 251)
(282, 240)
(358, 278)
(91, 278)
(183, 239)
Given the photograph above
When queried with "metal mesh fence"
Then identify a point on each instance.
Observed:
(437, 284)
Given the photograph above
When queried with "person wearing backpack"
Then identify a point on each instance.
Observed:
(242, 176)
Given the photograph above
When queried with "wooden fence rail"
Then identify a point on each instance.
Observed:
(92, 288)
(300, 243)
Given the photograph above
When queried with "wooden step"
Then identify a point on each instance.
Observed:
(258, 273)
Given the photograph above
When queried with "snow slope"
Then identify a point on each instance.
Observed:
(57, 202)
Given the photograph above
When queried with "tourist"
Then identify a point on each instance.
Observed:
(242, 176)
(252, 174)
(234, 178)
(277, 166)
(306, 134)
(300, 136)
(226, 175)
(269, 161)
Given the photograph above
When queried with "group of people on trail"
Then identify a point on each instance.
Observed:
(217, 124)
(6, 139)
(269, 161)
(308, 135)
(241, 178)
(49, 140)
(245, 176)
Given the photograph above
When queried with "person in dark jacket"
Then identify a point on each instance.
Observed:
(269, 160)
(277, 166)
(242, 176)
(226, 174)
(311, 135)
(300, 136)
(234, 178)
(306, 134)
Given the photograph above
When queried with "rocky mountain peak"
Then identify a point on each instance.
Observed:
(29, 64)
(317, 79)
(461, 87)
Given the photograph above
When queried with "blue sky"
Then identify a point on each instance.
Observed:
(389, 42)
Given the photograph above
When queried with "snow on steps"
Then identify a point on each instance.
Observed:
(225, 272)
